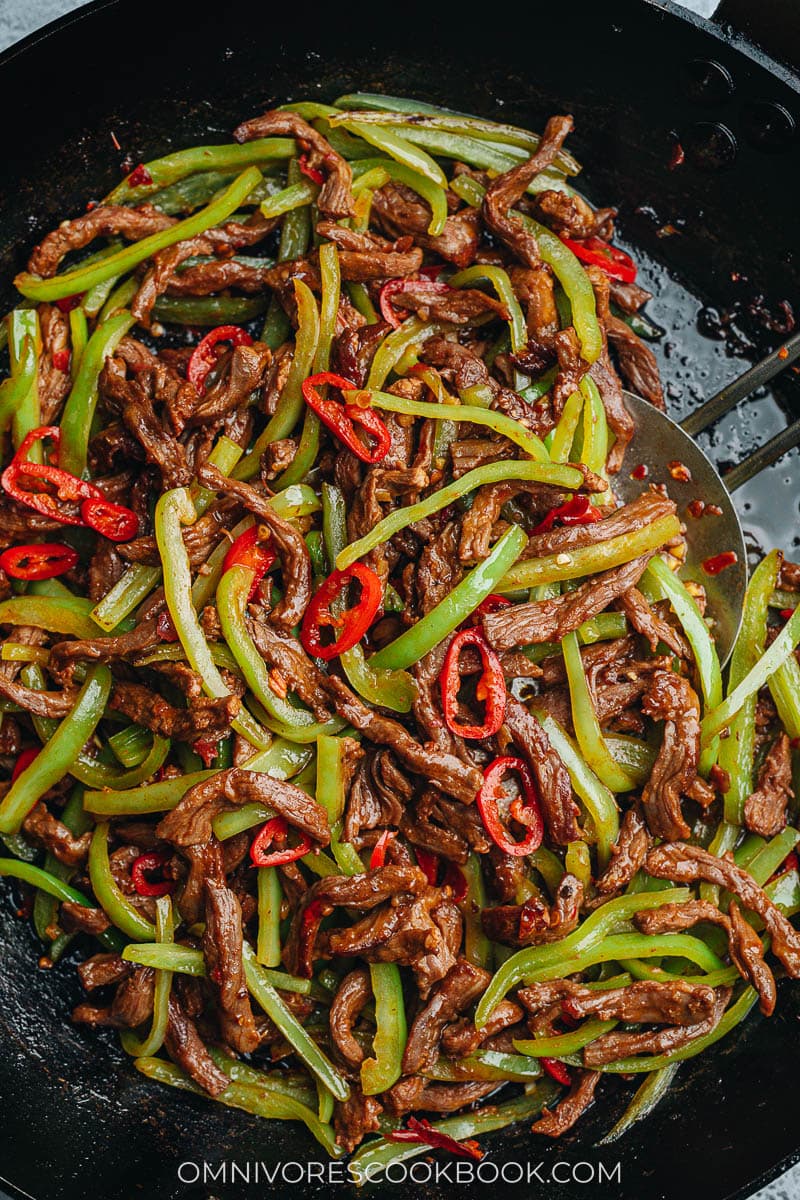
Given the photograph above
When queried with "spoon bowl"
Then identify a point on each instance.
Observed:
(661, 452)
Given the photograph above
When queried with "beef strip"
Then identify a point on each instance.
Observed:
(684, 863)
(53, 376)
(352, 995)
(671, 699)
(478, 522)
(462, 1037)
(646, 621)
(450, 1097)
(765, 809)
(572, 216)
(637, 362)
(554, 1122)
(206, 717)
(190, 823)
(747, 954)
(462, 985)
(608, 382)
(133, 1001)
(242, 374)
(289, 542)
(399, 211)
(355, 1117)
(335, 198)
(459, 306)
(40, 704)
(551, 620)
(550, 775)
(611, 1046)
(185, 1047)
(644, 510)
(377, 794)
(106, 220)
(643, 1003)
(222, 950)
(80, 918)
(103, 969)
(627, 855)
(534, 923)
(46, 830)
(629, 297)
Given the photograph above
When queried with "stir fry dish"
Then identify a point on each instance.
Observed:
(369, 760)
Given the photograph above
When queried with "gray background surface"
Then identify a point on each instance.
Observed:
(21, 17)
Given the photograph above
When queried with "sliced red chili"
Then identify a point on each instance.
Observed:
(578, 510)
(68, 489)
(342, 419)
(786, 614)
(165, 627)
(790, 863)
(428, 863)
(24, 760)
(394, 287)
(456, 880)
(597, 253)
(67, 303)
(205, 353)
(276, 830)
(719, 562)
(556, 1070)
(310, 172)
(352, 623)
(421, 1131)
(149, 864)
(524, 809)
(61, 360)
(140, 177)
(489, 605)
(378, 857)
(207, 749)
(113, 521)
(249, 550)
(43, 561)
(491, 687)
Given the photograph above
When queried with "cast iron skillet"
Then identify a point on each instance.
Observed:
(75, 1118)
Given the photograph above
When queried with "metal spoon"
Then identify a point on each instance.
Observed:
(660, 442)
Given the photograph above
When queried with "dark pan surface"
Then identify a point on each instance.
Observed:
(75, 1119)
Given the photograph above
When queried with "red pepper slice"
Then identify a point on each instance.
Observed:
(113, 521)
(277, 830)
(428, 863)
(342, 419)
(67, 303)
(165, 627)
(489, 605)
(24, 760)
(577, 511)
(68, 488)
(310, 172)
(353, 623)
(378, 857)
(42, 561)
(556, 1070)
(491, 686)
(144, 865)
(204, 354)
(456, 880)
(527, 813)
(393, 287)
(421, 1131)
(248, 551)
(140, 177)
(61, 360)
(207, 749)
(597, 253)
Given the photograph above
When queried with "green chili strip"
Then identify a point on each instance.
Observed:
(117, 907)
(501, 283)
(784, 688)
(290, 404)
(268, 945)
(395, 147)
(491, 473)
(499, 422)
(127, 593)
(36, 877)
(224, 457)
(208, 310)
(669, 586)
(119, 298)
(76, 420)
(174, 652)
(174, 509)
(288, 1083)
(595, 428)
(597, 798)
(82, 278)
(625, 946)
(384, 1068)
(54, 613)
(19, 394)
(608, 919)
(173, 168)
(719, 718)
(411, 333)
(62, 750)
(296, 195)
(587, 727)
(78, 336)
(456, 606)
(297, 1037)
(590, 560)
(485, 1064)
(564, 1043)
(94, 774)
(186, 960)
(647, 1097)
(477, 947)
(152, 1043)
(564, 432)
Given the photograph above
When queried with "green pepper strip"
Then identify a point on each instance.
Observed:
(79, 336)
(564, 1043)
(261, 1102)
(82, 278)
(208, 311)
(485, 1064)
(558, 476)
(268, 944)
(76, 420)
(432, 193)
(54, 613)
(668, 585)
(648, 1094)
(224, 457)
(784, 688)
(288, 1083)
(499, 422)
(295, 237)
(590, 560)
(564, 432)
(174, 509)
(295, 724)
(719, 718)
(45, 882)
(477, 947)
(186, 960)
(94, 774)
(19, 394)
(488, 155)
(290, 404)
(456, 606)
(119, 298)
(389, 689)
(396, 147)
(587, 727)
(565, 267)
(63, 749)
(623, 947)
(117, 907)
(597, 798)
(127, 593)
(174, 167)
(297, 1037)
(595, 428)
(308, 447)
(604, 921)
(384, 1068)
(299, 1100)
(366, 1163)
(152, 1043)
(296, 195)
(505, 293)
(411, 333)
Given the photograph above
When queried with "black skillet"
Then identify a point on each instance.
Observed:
(75, 1118)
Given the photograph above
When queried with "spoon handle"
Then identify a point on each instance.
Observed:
(763, 457)
(752, 379)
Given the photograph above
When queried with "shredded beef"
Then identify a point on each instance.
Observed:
(765, 809)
